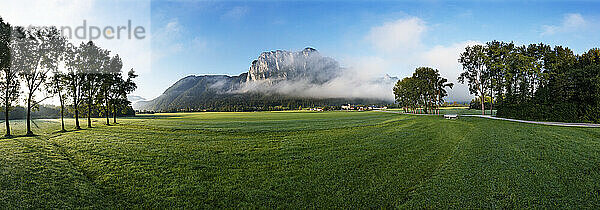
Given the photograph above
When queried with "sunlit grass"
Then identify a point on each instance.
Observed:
(300, 159)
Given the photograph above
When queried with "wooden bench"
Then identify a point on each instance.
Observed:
(451, 116)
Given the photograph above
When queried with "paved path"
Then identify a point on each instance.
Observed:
(587, 125)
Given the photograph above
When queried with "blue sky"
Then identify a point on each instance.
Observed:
(379, 37)
(373, 38)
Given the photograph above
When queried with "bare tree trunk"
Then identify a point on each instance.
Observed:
(437, 108)
(62, 117)
(6, 120)
(482, 105)
(77, 118)
(75, 105)
(107, 117)
(89, 113)
(482, 100)
(481, 90)
(114, 114)
(492, 104)
(107, 109)
(29, 132)
(62, 112)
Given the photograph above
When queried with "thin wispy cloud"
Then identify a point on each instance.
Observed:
(199, 44)
(167, 39)
(570, 23)
(236, 13)
(173, 26)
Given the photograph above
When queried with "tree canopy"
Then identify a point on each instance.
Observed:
(425, 90)
(33, 59)
(535, 81)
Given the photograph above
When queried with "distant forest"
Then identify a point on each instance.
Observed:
(261, 102)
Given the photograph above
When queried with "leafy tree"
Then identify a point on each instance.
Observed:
(405, 93)
(473, 63)
(427, 78)
(440, 89)
(94, 60)
(74, 79)
(497, 55)
(110, 81)
(536, 81)
(120, 90)
(425, 88)
(57, 86)
(37, 52)
(401, 94)
(9, 77)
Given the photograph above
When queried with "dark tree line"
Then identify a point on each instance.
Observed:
(248, 102)
(534, 81)
(31, 63)
(424, 90)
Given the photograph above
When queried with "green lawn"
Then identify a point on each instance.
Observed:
(301, 159)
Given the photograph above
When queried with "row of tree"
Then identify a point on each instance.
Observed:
(424, 90)
(250, 102)
(37, 63)
(534, 81)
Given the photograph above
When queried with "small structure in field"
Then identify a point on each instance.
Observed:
(378, 108)
(451, 116)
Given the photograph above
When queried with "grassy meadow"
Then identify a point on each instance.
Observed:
(298, 160)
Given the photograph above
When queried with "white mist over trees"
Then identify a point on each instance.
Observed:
(308, 74)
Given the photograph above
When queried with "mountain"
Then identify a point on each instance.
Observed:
(275, 79)
(307, 64)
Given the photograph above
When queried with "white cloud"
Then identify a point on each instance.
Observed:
(400, 35)
(445, 59)
(570, 23)
(173, 27)
(399, 48)
(45, 12)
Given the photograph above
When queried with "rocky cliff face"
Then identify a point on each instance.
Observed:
(307, 64)
(278, 72)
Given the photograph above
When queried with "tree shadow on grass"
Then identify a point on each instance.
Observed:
(66, 131)
(162, 116)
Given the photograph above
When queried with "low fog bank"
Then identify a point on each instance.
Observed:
(348, 83)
